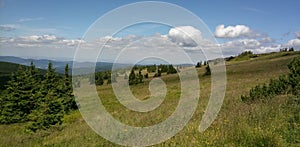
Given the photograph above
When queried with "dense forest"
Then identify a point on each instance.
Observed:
(39, 99)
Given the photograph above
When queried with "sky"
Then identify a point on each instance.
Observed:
(53, 29)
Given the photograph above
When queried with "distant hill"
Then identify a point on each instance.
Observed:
(59, 65)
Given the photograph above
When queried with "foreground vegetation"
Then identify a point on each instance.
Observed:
(274, 122)
(40, 100)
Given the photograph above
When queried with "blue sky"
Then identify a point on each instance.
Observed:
(274, 19)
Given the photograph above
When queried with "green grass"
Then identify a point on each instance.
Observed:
(272, 123)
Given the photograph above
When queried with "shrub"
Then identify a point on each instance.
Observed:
(283, 85)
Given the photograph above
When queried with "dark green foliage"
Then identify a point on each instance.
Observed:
(291, 49)
(282, 85)
(294, 76)
(50, 108)
(246, 53)
(146, 76)
(67, 90)
(99, 80)
(139, 77)
(19, 97)
(163, 68)
(132, 78)
(135, 78)
(207, 71)
(151, 68)
(49, 113)
(43, 102)
(171, 69)
(158, 74)
(199, 64)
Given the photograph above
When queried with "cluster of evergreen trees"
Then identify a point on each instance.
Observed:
(289, 84)
(101, 77)
(199, 64)
(39, 99)
(135, 78)
(291, 49)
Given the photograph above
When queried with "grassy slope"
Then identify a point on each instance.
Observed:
(238, 123)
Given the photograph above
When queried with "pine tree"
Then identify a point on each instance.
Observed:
(171, 70)
(99, 80)
(68, 98)
(140, 77)
(198, 64)
(132, 78)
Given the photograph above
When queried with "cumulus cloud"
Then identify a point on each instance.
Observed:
(257, 46)
(298, 34)
(184, 35)
(294, 43)
(234, 31)
(8, 27)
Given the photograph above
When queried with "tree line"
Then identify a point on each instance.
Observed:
(40, 100)
(135, 76)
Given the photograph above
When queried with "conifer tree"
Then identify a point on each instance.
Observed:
(68, 98)
(20, 96)
(207, 70)
(132, 78)
(171, 70)
(50, 108)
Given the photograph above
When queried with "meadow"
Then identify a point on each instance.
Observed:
(260, 123)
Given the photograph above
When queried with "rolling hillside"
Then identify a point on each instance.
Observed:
(271, 123)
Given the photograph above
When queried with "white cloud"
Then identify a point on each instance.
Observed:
(266, 49)
(71, 42)
(8, 27)
(170, 45)
(38, 39)
(294, 43)
(234, 31)
(184, 35)
(298, 34)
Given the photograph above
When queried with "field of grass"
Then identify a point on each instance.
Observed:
(272, 123)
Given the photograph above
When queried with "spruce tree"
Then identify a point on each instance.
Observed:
(207, 70)
(20, 95)
(50, 108)
(132, 78)
(68, 98)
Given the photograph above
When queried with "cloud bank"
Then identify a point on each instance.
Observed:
(167, 45)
